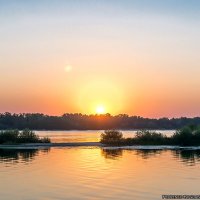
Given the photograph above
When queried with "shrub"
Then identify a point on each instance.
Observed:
(9, 136)
(25, 136)
(28, 136)
(45, 140)
(146, 137)
(114, 137)
(188, 135)
(111, 137)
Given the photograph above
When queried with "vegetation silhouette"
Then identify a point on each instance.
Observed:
(18, 137)
(78, 121)
(186, 136)
(111, 137)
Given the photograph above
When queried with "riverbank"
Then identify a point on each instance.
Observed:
(97, 144)
(44, 145)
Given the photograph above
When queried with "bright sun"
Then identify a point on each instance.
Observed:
(100, 109)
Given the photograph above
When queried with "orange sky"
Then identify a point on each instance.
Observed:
(140, 59)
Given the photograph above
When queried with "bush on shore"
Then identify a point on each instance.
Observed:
(146, 137)
(24, 136)
(112, 137)
(186, 136)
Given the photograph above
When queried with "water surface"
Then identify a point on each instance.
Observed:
(95, 173)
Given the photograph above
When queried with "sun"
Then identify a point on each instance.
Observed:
(100, 109)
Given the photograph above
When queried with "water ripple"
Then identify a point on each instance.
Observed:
(96, 173)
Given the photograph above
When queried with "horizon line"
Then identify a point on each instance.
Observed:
(96, 114)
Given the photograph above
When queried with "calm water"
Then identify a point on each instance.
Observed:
(85, 136)
(94, 173)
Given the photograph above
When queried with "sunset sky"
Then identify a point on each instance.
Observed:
(118, 56)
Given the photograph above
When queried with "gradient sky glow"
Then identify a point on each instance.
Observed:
(136, 57)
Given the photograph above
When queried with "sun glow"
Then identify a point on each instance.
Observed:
(100, 109)
(100, 97)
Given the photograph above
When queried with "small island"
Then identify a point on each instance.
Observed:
(13, 137)
(186, 136)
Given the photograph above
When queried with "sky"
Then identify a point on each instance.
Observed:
(118, 56)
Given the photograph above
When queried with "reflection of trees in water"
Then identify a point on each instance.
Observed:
(188, 156)
(148, 153)
(19, 155)
(117, 153)
(112, 153)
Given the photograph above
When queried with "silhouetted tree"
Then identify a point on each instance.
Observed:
(78, 121)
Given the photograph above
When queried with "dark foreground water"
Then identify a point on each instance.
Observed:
(95, 173)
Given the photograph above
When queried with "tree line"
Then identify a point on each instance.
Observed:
(78, 121)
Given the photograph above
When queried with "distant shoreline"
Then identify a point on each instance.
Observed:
(78, 121)
(97, 144)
